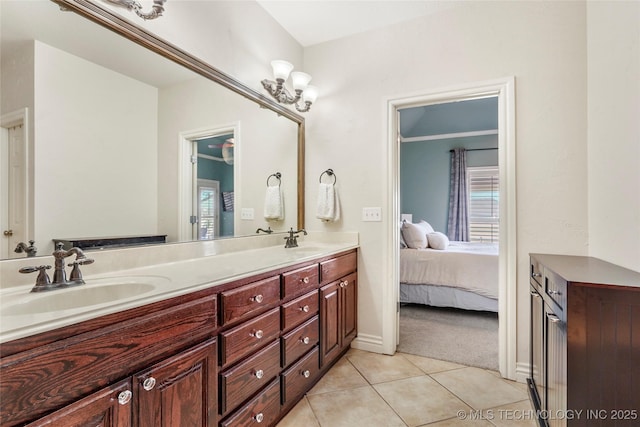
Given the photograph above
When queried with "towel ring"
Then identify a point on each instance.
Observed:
(330, 173)
(277, 176)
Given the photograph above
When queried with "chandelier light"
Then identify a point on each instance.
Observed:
(300, 82)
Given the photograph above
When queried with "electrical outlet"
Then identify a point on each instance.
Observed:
(246, 213)
(372, 214)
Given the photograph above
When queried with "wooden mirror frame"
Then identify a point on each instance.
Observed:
(148, 40)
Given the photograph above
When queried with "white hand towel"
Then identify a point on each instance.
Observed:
(273, 203)
(328, 203)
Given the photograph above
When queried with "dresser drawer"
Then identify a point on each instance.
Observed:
(249, 336)
(263, 410)
(299, 341)
(299, 377)
(241, 381)
(241, 302)
(300, 309)
(338, 267)
(299, 281)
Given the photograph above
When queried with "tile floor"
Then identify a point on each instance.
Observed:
(371, 390)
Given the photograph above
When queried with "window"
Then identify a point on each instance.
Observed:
(484, 217)
(208, 209)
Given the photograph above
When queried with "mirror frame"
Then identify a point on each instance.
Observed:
(119, 25)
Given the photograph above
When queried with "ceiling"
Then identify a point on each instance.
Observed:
(316, 21)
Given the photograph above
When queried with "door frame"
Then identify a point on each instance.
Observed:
(186, 173)
(504, 89)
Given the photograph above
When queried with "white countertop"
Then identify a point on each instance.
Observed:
(23, 313)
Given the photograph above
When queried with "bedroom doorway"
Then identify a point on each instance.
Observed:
(450, 289)
(503, 92)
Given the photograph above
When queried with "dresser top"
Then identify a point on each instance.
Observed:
(589, 270)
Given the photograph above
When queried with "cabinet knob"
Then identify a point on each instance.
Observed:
(149, 383)
(258, 334)
(258, 298)
(346, 283)
(306, 373)
(124, 397)
(536, 275)
(259, 417)
(341, 284)
(305, 340)
(305, 280)
(259, 374)
(305, 308)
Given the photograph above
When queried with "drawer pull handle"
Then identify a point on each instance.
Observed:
(258, 298)
(259, 374)
(553, 318)
(536, 275)
(555, 293)
(535, 294)
(149, 383)
(259, 417)
(258, 334)
(306, 373)
(125, 397)
(305, 340)
(305, 280)
(305, 308)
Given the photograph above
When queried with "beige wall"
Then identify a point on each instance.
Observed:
(613, 48)
(541, 44)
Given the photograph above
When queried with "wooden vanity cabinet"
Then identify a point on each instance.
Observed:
(585, 342)
(338, 307)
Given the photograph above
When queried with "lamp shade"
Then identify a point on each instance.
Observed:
(310, 94)
(281, 69)
(300, 80)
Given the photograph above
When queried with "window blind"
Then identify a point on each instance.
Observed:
(483, 192)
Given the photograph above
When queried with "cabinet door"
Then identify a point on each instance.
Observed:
(330, 335)
(180, 391)
(537, 347)
(556, 364)
(349, 308)
(109, 407)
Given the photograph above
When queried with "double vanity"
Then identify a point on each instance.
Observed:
(233, 336)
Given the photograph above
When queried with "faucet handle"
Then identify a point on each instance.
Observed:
(43, 277)
(76, 274)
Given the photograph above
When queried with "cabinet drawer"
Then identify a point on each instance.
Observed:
(299, 281)
(299, 341)
(240, 382)
(299, 377)
(251, 335)
(243, 301)
(262, 410)
(299, 310)
(556, 288)
(335, 268)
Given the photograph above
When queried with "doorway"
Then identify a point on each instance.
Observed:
(504, 90)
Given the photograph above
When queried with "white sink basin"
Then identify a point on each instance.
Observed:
(93, 293)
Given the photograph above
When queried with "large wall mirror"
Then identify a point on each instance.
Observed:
(109, 131)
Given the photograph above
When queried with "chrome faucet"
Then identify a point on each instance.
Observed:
(29, 250)
(43, 283)
(291, 241)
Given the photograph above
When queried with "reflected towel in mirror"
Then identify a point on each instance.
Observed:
(274, 203)
(328, 203)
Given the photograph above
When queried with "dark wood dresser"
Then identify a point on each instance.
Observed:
(584, 342)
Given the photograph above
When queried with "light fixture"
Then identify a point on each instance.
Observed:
(300, 82)
(155, 12)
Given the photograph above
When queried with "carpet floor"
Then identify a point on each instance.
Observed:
(461, 336)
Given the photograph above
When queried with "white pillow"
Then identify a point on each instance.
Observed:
(438, 240)
(415, 235)
(403, 244)
(426, 226)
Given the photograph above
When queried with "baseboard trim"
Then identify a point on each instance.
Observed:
(372, 343)
(523, 371)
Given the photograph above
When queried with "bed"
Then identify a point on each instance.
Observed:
(464, 275)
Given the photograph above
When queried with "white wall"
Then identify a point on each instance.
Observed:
(542, 44)
(613, 48)
(91, 158)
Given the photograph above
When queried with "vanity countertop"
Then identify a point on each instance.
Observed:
(147, 284)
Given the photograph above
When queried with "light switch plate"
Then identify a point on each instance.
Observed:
(246, 213)
(372, 214)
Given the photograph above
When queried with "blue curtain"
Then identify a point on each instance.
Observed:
(458, 224)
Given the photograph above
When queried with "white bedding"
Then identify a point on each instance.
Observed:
(469, 266)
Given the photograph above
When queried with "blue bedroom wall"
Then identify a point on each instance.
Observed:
(222, 172)
(424, 175)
